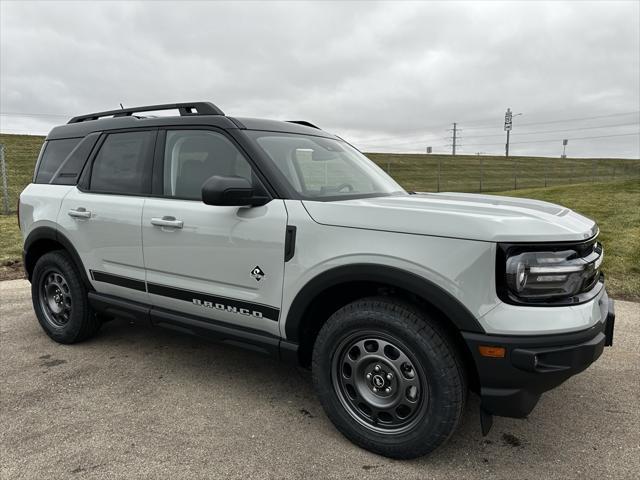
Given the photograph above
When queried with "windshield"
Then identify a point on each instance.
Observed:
(322, 168)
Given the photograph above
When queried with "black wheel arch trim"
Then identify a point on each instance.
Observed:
(426, 290)
(50, 233)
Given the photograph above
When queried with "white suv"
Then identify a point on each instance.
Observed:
(284, 239)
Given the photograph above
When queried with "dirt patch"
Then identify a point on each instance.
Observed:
(512, 440)
(12, 271)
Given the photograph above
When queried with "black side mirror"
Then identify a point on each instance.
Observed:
(231, 191)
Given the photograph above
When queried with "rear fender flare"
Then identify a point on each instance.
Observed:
(48, 233)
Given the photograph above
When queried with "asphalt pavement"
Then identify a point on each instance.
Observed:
(137, 402)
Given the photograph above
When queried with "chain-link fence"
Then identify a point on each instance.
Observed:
(5, 182)
(19, 155)
(432, 173)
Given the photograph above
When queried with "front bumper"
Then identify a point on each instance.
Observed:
(511, 386)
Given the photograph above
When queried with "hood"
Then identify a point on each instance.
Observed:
(459, 215)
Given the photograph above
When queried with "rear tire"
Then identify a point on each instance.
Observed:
(389, 378)
(60, 300)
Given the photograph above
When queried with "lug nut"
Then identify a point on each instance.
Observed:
(368, 376)
(387, 390)
(389, 376)
(375, 389)
(377, 368)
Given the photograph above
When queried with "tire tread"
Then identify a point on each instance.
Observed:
(400, 315)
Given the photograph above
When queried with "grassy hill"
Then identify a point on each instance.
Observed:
(472, 173)
(20, 153)
(420, 172)
(607, 190)
(616, 208)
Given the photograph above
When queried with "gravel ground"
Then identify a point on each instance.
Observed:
(137, 402)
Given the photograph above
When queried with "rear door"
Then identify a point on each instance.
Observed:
(102, 216)
(215, 263)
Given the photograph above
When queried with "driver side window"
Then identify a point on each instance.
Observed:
(192, 156)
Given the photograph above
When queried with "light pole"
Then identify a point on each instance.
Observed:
(508, 125)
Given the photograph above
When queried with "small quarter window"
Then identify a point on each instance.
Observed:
(123, 164)
(193, 156)
(54, 154)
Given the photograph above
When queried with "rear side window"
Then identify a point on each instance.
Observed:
(123, 164)
(54, 154)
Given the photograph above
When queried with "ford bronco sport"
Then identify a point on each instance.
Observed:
(285, 239)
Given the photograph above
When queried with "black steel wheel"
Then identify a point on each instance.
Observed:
(389, 377)
(60, 299)
(379, 383)
(55, 298)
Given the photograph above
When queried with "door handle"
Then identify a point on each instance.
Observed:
(79, 212)
(167, 221)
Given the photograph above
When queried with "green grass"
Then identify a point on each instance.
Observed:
(11, 249)
(470, 173)
(616, 208)
(594, 187)
(21, 153)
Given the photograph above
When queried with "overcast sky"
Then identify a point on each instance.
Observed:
(386, 76)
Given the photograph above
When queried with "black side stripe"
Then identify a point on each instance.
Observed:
(220, 303)
(119, 280)
(203, 299)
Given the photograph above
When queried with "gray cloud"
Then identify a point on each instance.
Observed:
(388, 76)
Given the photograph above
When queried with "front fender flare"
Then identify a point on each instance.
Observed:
(428, 291)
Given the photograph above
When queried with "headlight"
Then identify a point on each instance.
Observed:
(533, 274)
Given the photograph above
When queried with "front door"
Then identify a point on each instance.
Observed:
(222, 264)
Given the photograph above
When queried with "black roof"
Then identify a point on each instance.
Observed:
(194, 113)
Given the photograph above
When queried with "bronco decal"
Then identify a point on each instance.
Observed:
(221, 304)
(227, 308)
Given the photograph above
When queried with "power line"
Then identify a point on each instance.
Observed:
(375, 141)
(421, 141)
(496, 125)
(555, 131)
(560, 139)
(413, 142)
(33, 114)
(371, 142)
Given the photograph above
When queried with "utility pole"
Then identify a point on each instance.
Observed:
(508, 125)
(455, 136)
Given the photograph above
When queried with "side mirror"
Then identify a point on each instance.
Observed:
(231, 191)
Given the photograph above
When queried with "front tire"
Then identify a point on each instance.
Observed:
(389, 378)
(60, 301)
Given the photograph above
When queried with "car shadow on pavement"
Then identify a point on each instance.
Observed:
(143, 399)
(289, 389)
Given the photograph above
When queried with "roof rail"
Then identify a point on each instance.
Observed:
(193, 108)
(305, 123)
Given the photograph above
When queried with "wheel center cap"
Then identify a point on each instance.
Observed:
(378, 381)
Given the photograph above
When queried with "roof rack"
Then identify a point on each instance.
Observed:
(193, 108)
(305, 123)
